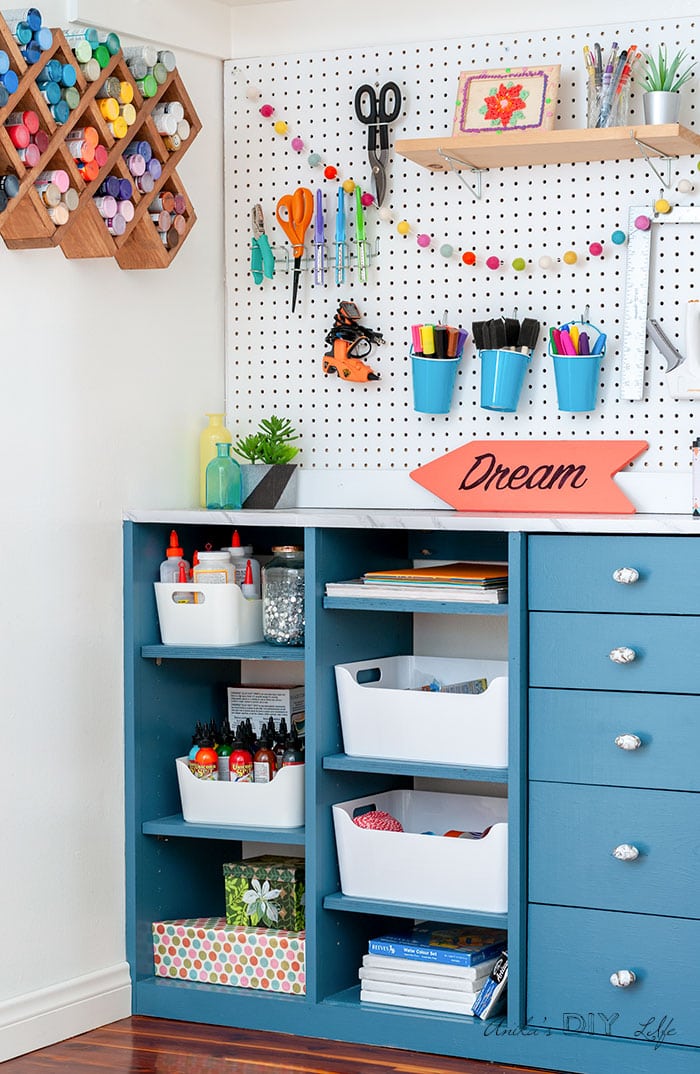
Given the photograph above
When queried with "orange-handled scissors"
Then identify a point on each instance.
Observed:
(294, 212)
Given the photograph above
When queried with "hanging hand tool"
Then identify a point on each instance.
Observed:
(294, 213)
(372, 109)
(349, 345)
(360, 236)
(262, 259)
(340, 238)
(319, 242)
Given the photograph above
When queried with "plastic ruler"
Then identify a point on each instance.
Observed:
(634, 332)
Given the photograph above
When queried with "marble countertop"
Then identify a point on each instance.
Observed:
(353, 518)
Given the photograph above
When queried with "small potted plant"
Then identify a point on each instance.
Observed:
(661, 85)
(268, 475)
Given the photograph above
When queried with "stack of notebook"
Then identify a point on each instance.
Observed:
(485, 583)
(434, 967)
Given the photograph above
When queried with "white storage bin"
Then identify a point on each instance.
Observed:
(407, 866)
(221, 615)
(277, 804)
(390, 717)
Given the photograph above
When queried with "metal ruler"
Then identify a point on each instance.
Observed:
(634, 325)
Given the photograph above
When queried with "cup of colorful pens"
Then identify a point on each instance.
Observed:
(505, 347)
(609, 80)
(577, 349)
(435, 355)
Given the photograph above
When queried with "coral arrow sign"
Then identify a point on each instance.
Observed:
(522, 476)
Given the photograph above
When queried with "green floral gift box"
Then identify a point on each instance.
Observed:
(266, 890)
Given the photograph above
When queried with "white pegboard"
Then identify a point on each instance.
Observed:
(274, 357)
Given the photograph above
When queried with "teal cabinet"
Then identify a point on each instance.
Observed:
(575, 914)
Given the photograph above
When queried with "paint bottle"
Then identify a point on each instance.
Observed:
(196, 741)
(215, 432)
(281, 742)
(224, 750)
(240, 763)
(174, 555)
(264, 761)
(294, 754)
(206, 761)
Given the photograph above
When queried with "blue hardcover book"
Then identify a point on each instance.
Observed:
(454, 945)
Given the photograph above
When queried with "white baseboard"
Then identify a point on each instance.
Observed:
(64, 1010)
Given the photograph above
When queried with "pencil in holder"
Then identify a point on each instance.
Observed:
(433, 383)
(577, 375)
(502, 376)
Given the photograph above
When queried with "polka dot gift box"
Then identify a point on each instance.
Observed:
(207, 950)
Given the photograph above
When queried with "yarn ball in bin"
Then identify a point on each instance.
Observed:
(380, 820)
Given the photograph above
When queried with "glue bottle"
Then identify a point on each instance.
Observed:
(240, 555)
(174, 555)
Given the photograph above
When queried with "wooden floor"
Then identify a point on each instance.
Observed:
(156, 1046)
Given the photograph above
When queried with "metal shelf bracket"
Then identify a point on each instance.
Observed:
(475, 190)
(646, 149)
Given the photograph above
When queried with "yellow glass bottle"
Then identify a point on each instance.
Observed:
(215, 433)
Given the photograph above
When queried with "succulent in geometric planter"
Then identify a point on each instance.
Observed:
(662, 81)
(269, 478)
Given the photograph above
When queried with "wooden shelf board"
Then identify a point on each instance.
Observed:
(521, 148)
(341, 762)
(176, 827)
(456, 916)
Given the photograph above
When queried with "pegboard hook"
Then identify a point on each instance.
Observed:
(475, 191)
(646, 149)
(586, 315)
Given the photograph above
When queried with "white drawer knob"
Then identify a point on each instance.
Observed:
(628, 741)
(625, 852)
(626, 575)
(623, 978)
(622, 655)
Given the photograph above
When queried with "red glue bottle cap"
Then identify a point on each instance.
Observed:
(182, 574)
(248, 580)
(235, 540)
(174, 549)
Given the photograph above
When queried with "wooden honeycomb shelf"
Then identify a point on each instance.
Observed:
(26, 223)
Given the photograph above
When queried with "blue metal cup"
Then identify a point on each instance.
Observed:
(502, 376)
(433, 383)
(577, 377)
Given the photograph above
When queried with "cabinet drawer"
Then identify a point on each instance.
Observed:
(572, 739)
(573, 651)
(570, 573)
(574, 830)
(572, 954)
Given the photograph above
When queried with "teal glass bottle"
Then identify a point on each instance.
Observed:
(223, 480)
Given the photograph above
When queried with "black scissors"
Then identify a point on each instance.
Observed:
(378, 117)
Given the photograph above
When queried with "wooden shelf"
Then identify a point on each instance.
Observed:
(514, 149)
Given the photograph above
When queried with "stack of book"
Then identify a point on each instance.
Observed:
(434, 967)
(485, 583)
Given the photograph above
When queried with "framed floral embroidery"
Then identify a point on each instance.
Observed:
(508, 99)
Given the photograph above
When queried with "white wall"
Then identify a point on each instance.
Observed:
(106, 376)
(307, 25)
